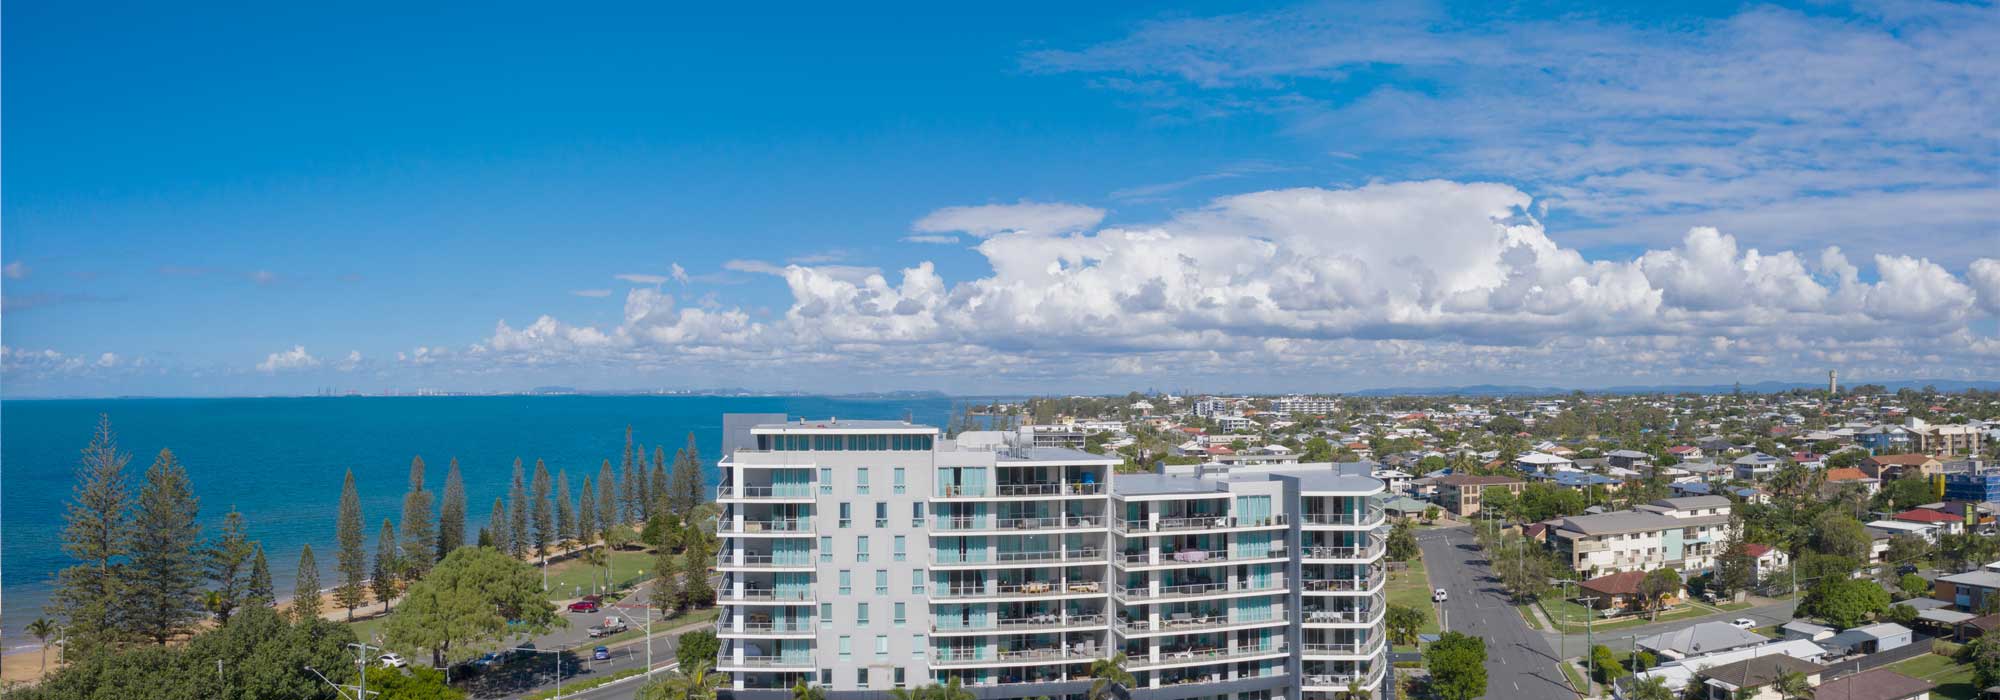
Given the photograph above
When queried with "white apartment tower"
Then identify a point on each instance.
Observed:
(867, 555)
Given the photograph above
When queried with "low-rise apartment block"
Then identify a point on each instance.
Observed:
(1685, 533)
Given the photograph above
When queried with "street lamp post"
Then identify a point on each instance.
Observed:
(558, 653)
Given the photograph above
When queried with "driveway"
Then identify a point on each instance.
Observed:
(1519, 662)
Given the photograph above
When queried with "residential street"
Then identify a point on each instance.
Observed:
(1519, 661)
(1619, 638)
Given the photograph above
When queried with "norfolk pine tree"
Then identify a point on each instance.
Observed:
(518, 537)
(165, 597)
(565, 509)
(351, 559)
(686, 481)
(496, 526)
(669, 591)
(451, 513)
(656, 496)
(586, 513)
(258, 591)
(628, 494)
(305, 588)
(544, 521)
(607, 497)
(418, 540)
(96, 533)
(642, 489)
(227, 563)
(382, 579)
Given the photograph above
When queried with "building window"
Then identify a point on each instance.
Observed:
(826, 677)
(846, 582)
(861, 548)
(900, 618)
(860, 613)
(899, 486)
(825, 481)
(881, 514)
(826, 613)
(881, 582)
(846, 514)
(917, 581)
(861, 481)
(901, 549)
(917, 514)
(881, 646)
(900, 682)
(826, 549)
(846, 646)
(917, 646)
(860, 678)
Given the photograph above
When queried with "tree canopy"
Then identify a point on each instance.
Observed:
(466, 603)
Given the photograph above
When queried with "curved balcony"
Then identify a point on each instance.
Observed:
(1195, 557)
(1357, 554)
(1016, 560)
(780, 527)
(1031, 589)
(1349, 651)
(951, 526)
(1343, 585)
(1339, 681)
(793, 493)
(1047, 622)
(1200, 590)
(1185, 657)
(1371, 517)
(1209, 523)
(1188, 623)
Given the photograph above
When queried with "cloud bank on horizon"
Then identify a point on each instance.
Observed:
(1575, 199)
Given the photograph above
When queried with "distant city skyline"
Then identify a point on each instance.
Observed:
(1327, 196)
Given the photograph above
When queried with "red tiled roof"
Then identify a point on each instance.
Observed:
(1681, 449)
(1923, 515)
(1845, 474)
(1757, 550)
(1622, 583)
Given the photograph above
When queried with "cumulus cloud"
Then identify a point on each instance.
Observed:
(640, 278)
(1985, 277)
(1025, 216)
(294, 359)
(1412, 279)
(938, 238)
(349, 363)
(15, 270)
(679, 274)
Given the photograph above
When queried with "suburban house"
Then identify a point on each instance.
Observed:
(1755, 466)
(1837, 478)
(1619, 591)
(1968, 590)
(1460, 493)
(1575, 480)
(1756, 675)
(1685, 452)
(1685, 533)
(1539, 462)
(1943, 439)
(1886, 467)
(1875, 684)
(1628, 459)
(1883, 439)
(1697, 639)
(1947, 523)
(1767, 558)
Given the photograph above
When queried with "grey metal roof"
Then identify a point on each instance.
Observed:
(1982, 579)
(1159, 484)
(1050, 454)
(1687, 502)
(1623, 521)
(1703, 638)
(850, 424)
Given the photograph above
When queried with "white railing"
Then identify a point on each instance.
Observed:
(1371, 516)
(765, 627)
(1216, 654)
(1031, 588)
(1016, 623)
(1274, 583)
(1018, 490)
(766, 594)
(1170, 621)
(1090, 554)
(1344, 649)
(762, 561)
(1367, 680)
(1374, 549)
(1199, 557)
(978, 656)
(732, 492)
(1197, 522)
(988, 523)
(1342, 584)
(769, 662)
(801, 526)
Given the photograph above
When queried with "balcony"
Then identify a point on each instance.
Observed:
(765, 595)
(1350, 554)
(771, 528)
(1339, 681)
(1366, 612)
(1031, 589)
(976, 491)
(1343, 585)
(1183, 623)
(954, 525)
(1198, 522)
(795, 492)
(1360, 518)
(1195, 557)
(765, 627)
(983, 657)
(767, 663)
(1197, 590)
(764, 562)
(1347, 650)
(1197, 656)
(1018, 625)
(1086, 555)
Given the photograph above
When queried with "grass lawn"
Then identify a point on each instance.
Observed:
(1556, 609)
(1954, 679)
(1575, 675)
(571, 575)
(1412, 587)
(638, 630)
(365, 630)
(1529, 615)
(1733, 607)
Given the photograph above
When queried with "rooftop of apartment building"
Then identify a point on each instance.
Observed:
(1657, 518)
(1313, 477)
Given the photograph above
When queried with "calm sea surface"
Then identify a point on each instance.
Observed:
(280, 460)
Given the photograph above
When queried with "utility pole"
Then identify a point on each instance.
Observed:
(361, 664)
(341, 690)
(1590, 659)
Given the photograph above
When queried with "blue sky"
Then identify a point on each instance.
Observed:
(255, 199)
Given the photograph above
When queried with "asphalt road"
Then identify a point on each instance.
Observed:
(1519, 661)
(528, 675)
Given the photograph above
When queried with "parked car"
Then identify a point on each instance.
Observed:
(584, 606)
(1907, 569)
(393, 660)
(611, 625)
(1437, 596)
(491, 659)
(600, 653)
(1743, 623)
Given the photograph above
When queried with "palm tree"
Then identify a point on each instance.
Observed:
(1105, 673)
(697, 682)
(801, 691)
(1793, 686)
(596, 557)
(41, 629)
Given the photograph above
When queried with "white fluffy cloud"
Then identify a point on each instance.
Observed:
(1416, 278)
(1024, 217)
(1985, 277)
(294, 359)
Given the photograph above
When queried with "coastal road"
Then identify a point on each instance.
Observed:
(1519, 661)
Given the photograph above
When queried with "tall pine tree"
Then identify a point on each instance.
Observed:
(607, 498)
(544, 520)
(642, 487)
(351, 559)
(686, 482)
(628, 494)
(565, 509)
(451, 513)
(165, 598)
(656, 496)
(519, 539)
(305, 587)
(97, 534)
(227, 562)
(388, 563)
(496, 526)
(586, 513)
(259, 591)
(418, 540)
(696, 484)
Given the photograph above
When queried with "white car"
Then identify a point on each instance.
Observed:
(393, 660)
(1743, 623)
(1437, 596)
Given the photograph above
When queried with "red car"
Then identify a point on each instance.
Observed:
(586, 605)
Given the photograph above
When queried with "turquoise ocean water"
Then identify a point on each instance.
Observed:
(280, 460)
